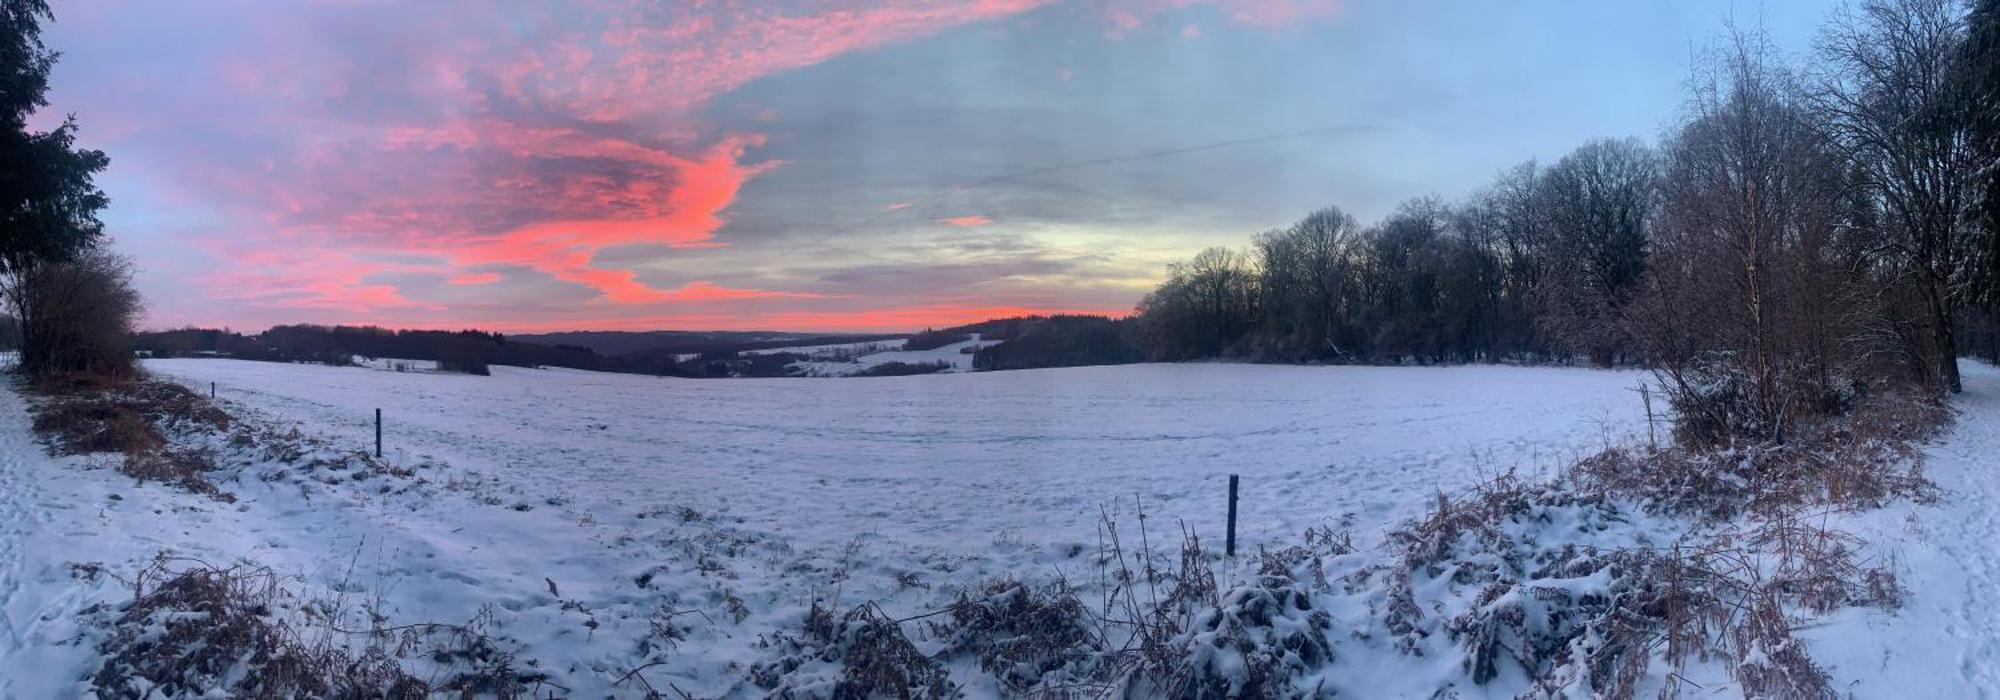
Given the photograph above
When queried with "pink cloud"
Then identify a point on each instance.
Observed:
(474, 279)
(448, 141)
(965, 221)
(702, 290)
(458, 138)
(912, 317)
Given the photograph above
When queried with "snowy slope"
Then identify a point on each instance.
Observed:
(1060, 442)
(832, 351)
(393, 364)
(958, 355)
(645, 498)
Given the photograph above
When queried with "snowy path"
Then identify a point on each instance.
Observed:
(36, 602)
(18, 492)
(1968, 466)
(1945, 641)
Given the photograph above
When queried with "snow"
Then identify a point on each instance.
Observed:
(1945, 640)
(832, 351)
(392, 364)
(957, 355)
(641, 498)
(638, 495)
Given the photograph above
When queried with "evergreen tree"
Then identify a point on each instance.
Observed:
(48, 200)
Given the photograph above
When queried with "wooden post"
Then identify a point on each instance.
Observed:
(211, 390)
(378, 433)
(1229, 545)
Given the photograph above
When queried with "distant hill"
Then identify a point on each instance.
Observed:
(651, 343)
(468, 351)
(1024, 342)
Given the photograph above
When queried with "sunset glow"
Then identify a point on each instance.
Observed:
(864, 165)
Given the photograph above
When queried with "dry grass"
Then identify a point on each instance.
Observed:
(1730, 592)
(172, 435)
(195, 630)
(83, 414)
(869, 649)
(204, 630)
(1862, 459)
(1022, 634)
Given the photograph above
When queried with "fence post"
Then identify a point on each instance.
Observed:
(378, 433)
(211, 390)
(1229, 545)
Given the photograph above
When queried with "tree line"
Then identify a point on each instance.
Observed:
(468, 351)
(1807, 223)
(70, 301)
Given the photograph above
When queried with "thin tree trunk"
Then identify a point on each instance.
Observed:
(1944, 341)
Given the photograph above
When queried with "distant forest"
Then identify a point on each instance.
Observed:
(468, 351)
(1026, 342)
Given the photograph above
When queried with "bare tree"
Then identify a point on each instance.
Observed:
(1978, 80)
(1596, 204)
(1307, 279)
(77, 316)
(1743, 274)
(1890, 100)
(1205, 305)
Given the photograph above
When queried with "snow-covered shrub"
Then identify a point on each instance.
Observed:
(1768, 661)
(181, 466)
(1026, 636)
(1714, 402)
(205, 631)
(862, 654)
(1266, 638)
(1590, 595)
(1862, 460)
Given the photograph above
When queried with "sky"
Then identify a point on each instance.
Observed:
(826, 165)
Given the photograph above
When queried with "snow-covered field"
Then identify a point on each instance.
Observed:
(841, 361)
(644, 500)
(822, 352)
(958, 460)
(391, 364)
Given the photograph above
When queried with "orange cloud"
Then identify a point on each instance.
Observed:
(537, 154)
(619, 287)
(965, 221)
(914, 317)
(889, 320)
(453, 141)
